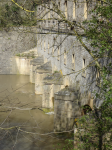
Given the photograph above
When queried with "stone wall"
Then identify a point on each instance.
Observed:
(80, 8)
(16, 40)
(57, 43)
(82, 58)
(66, 109)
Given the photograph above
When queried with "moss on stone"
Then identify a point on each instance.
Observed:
(28, 55)
(46, 110)
(56, 71)
(18, 55)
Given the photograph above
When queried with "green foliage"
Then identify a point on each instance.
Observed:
(56, 71)
(12, 15)
(68, 145)
(97, 126)
(18, 55)
(100, 30)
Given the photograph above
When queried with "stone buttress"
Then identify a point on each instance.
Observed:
(66, 109)
(33, 65)
(40, 73)
(52, 84)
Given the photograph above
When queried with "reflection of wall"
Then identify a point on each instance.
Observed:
(13, 42)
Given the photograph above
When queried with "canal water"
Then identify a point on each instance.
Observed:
(23, 125)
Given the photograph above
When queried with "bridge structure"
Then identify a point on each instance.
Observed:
(58, 42)
(62, 69)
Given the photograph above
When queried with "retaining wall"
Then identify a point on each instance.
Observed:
(16, 40)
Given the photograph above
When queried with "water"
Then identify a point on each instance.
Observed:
(23, 126)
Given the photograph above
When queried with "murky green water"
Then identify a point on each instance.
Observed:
(21, 122)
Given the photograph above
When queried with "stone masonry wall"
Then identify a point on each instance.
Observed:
(16, 40)
(71, 45)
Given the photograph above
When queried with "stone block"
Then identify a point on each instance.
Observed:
(47, 96)
(40, 73)
(39, 82)
(32, 73)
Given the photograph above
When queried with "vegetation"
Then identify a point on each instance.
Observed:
(97, 133)
(12, 15)
(95, 129)
(56, 71)
(28, 55)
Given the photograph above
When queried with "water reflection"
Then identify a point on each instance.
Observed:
(19, 113)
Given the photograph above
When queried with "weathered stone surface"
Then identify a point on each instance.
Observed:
(70, 76)
(40, 73)
(47, 97)
(66, 94)
(37, 61)
(66, 106)
(54, 78)
(20, 65)
(45, 68)
(13, 42)
(33, 65)
(52, 84)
